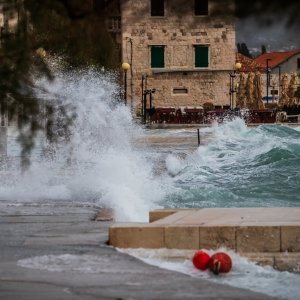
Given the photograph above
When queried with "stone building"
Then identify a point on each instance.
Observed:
(280, 73)
(184, 49)
(277, 65)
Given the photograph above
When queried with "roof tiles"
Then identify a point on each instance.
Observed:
(275, 58)
(249, 64)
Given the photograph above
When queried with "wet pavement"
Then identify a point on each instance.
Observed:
(64, 236)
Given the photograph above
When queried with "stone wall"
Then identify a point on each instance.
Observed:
(201, 87)
(179, 30)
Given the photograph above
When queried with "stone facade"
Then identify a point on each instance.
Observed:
(179, 82)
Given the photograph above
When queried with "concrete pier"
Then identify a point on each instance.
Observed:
(267, 235)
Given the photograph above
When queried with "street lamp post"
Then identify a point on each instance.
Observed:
(125, 67)
(147, 92)
(144, 87)
(279, 86)
(268, 78)
(232, 89)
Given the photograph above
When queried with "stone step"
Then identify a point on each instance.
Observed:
(244, 230)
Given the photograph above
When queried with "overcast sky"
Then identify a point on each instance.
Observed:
(276, 37)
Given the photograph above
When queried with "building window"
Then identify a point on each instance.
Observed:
(180, 90)
(201, 56)
(298, 63)
(114, 24)
(274, 92)
(201, 7)
(157, 56)
(157, 8)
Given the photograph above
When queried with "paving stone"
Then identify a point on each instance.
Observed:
(176, 217)
(202, 217)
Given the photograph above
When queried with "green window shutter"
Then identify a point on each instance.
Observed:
(157, 57)
(201, 56)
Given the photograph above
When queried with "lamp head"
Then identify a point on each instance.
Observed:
(238, 66)
(41, 52)
(125, 66)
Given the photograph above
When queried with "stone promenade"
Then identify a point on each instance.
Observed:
(57, 230)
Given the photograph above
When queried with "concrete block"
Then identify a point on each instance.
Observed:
(135, 236)
(182, 237)
(176, 217)
(290, 238)
(216, 237)
(258, 239)
(160, 214)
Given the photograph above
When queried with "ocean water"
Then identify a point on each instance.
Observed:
(239, 166)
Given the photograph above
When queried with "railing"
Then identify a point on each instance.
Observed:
(171, 115)
(176, 116)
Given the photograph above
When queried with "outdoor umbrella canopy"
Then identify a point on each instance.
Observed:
(292, 88)
(284, 99)
(250, 90)
(258, 102)
(241, 93)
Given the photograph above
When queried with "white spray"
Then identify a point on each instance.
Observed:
(99, 164)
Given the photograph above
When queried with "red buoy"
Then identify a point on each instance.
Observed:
(220, 262)
(201, 260)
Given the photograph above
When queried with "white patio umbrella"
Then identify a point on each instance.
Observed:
(258, 102)
(250, 90)
(292, 88)
(241, 92)
(284, 83)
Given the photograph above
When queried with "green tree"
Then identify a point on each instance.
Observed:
(263, 49)
(243, 49)
(18, 62)
(74, 30)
